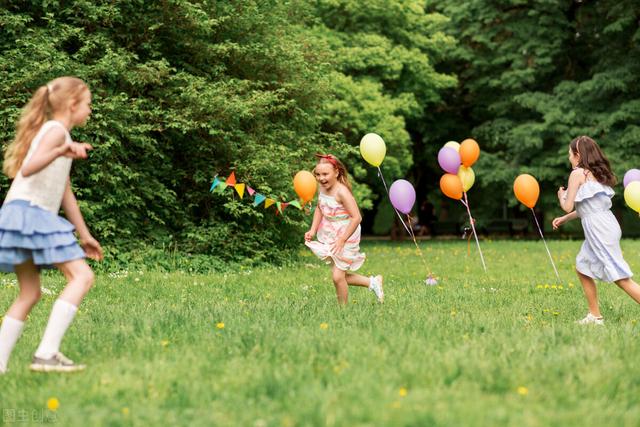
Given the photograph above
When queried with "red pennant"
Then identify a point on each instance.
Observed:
(232, 179)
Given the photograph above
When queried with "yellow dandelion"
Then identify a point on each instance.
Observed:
(546, 286)
(560, 287)
(402, 392)
(53, 404)
(220, 325)
(523, 391)
(571, 285)
(324, 325)
(453, 313)
(539, 286)
(125, 411)
(164, 343)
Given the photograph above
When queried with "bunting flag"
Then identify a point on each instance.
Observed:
(259, 199)
(214, 184)
(296, 204)
(232, 179)
(240, 189)
(219, 185)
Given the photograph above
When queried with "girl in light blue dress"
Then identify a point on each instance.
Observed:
(588, 197)
(32, 235)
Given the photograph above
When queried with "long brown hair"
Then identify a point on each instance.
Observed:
(55, 96)
(343, 175)
(593, 159)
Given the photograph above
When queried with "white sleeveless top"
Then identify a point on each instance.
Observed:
(46, 187)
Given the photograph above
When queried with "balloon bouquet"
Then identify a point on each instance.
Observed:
(631, 184)
(527, 191)
(456, 160)
(401, 194)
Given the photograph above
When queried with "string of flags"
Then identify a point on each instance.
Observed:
(258, 198)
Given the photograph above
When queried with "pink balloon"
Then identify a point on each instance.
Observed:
(630, 176)
(449, 160)
(402, 195)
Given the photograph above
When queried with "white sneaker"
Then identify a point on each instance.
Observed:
(375, 286)
(590, 319)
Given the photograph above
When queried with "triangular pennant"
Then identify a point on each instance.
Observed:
(268, 203)
(284, 205)
(222, 186)
(214, 184)
(279, 207)
(258, 199)
(296, 204)
(250, 190)
(232, 179)
(240, 189)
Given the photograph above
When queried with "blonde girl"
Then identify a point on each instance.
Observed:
(32, 235)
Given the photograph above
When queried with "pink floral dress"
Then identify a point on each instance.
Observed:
(335, 219)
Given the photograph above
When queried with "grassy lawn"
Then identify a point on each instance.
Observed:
(270, 347)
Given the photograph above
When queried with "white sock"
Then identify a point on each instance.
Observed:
(61, 317)
(9, 333)
(370, 281)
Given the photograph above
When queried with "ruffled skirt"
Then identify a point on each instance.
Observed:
(28, 232)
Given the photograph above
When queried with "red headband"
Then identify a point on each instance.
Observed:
(329, 158)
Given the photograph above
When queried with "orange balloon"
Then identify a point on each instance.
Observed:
(451, 186)
(527, 190)
(469, 152)
(305, 185)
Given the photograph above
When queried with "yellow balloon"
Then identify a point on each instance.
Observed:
(453, 144)
(467, 176)
(632, 195)
(373, 149)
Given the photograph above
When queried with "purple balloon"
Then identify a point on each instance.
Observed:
(402, 195)
(630, 176)
(449, 159)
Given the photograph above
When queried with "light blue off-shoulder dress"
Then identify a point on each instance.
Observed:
(600, 256)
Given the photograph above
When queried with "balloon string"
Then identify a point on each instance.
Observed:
(394, 208)
(545, 244)
(424, 262)
(473, 228)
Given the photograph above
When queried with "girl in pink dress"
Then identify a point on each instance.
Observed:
(337, 221)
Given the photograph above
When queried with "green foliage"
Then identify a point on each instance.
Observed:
(181, 91)
(533, 76)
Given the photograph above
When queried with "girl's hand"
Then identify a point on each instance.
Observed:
(92, 248)
(76, 150)
(562, 192)
(557, 222)
(308, 236)
(338, 246)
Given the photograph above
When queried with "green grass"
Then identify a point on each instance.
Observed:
(454, 354)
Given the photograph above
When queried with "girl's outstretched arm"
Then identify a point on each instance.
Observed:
(72, 211)
(567, 197)
(52, 146)
(345, 197)
(557, 222)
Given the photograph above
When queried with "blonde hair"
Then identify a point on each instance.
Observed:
(48, 99)
(343, 175)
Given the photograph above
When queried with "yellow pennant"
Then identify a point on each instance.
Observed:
(268, 203)
(240, 189)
